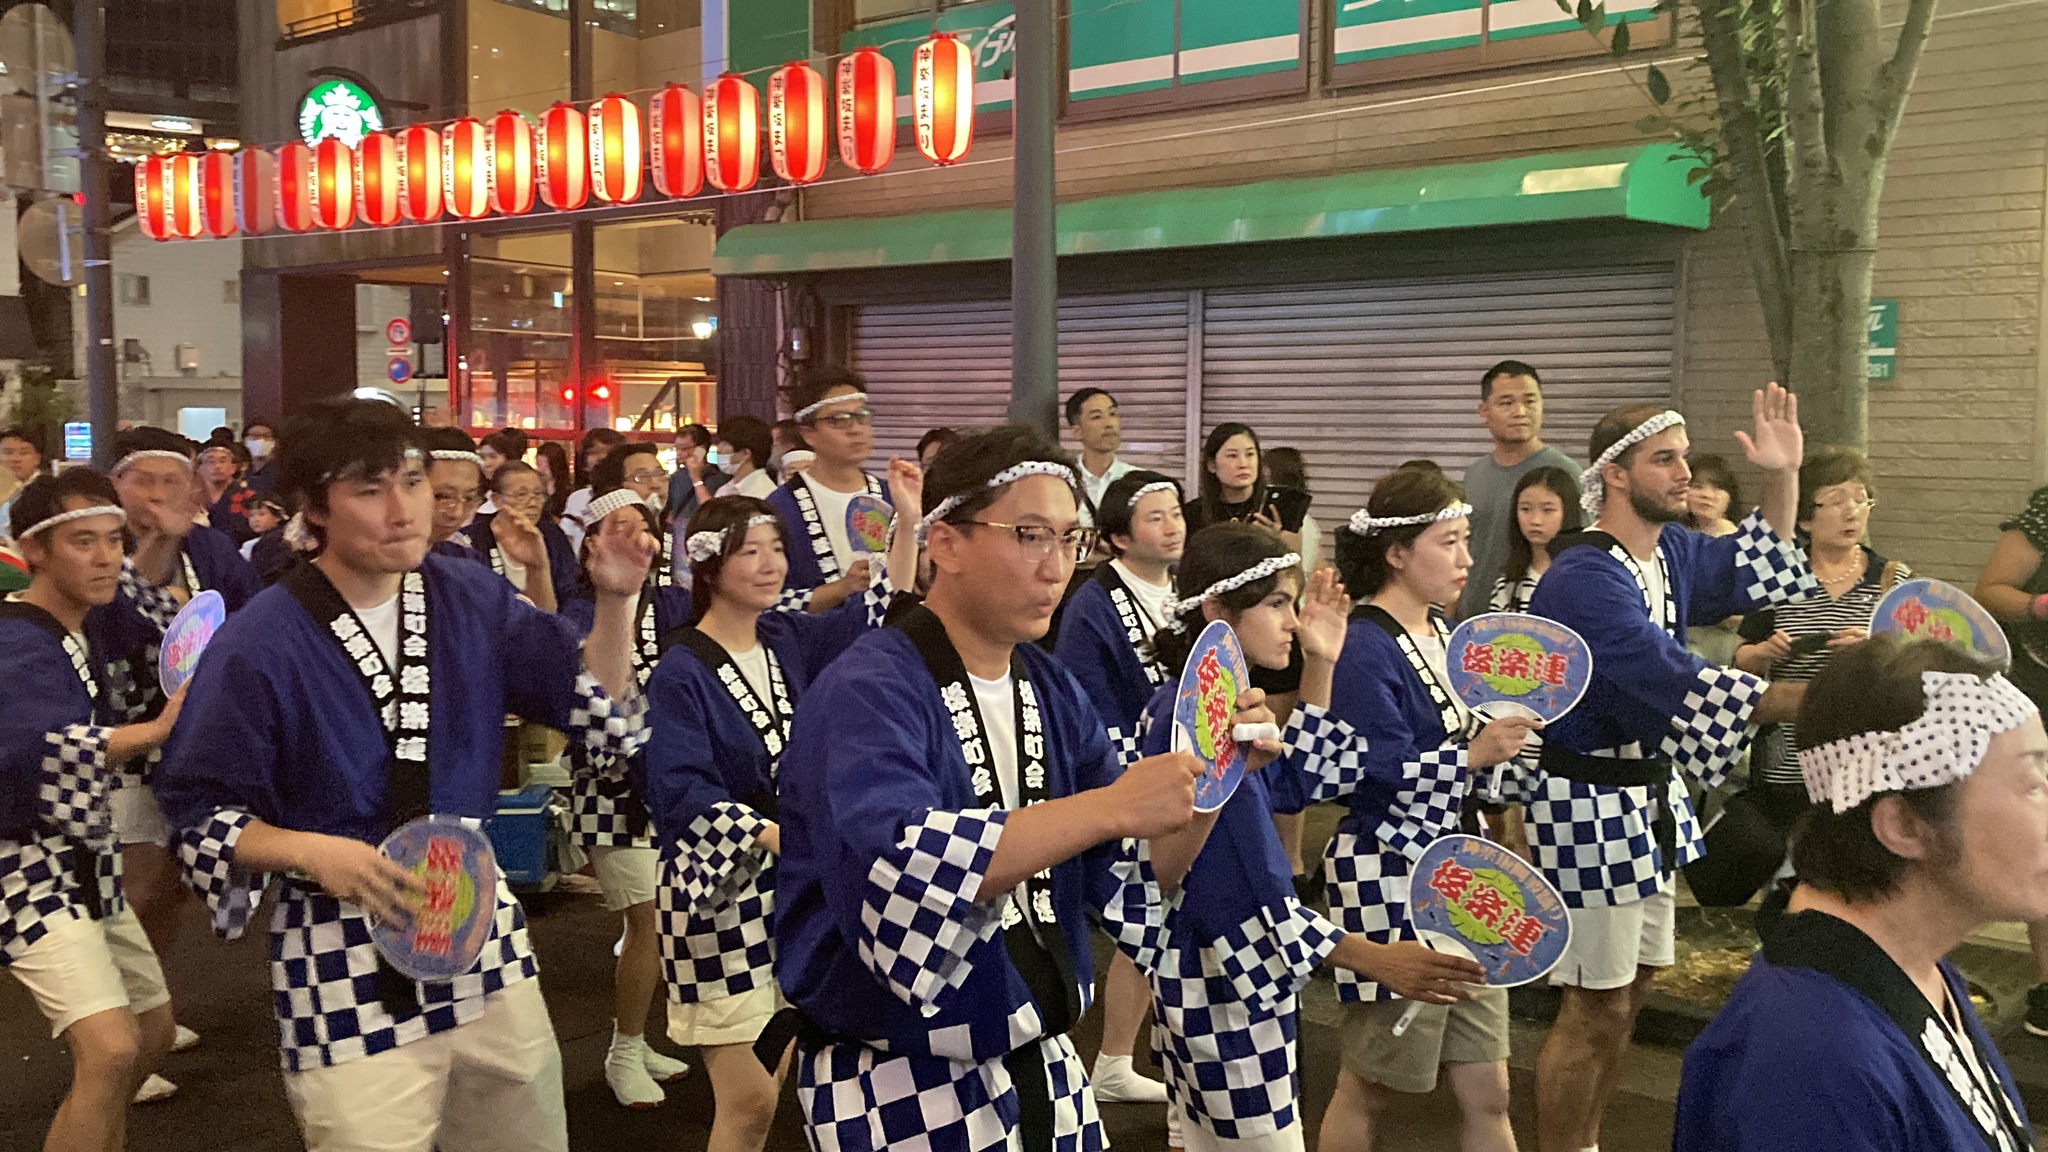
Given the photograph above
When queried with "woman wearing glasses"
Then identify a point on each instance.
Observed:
(830, 404)
(1793, 642)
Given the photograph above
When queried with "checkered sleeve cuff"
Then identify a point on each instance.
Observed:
(1427, 805)
(717, 853)
(1271, 956)
(1712, 725)
(207, 854)
(1327, 748)
(156, 604)
(1770, 568)
(77, 777)
(1135, 914)
(1124, 742)
(919, 920)
(794, 600)
(612, 731)
(880, 595)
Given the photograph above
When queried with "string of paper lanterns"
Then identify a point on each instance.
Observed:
(469, 169)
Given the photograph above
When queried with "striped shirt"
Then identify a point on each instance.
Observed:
(1776, 759)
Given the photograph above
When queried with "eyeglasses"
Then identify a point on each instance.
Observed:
(648, 476)
(1863, 504)
(452, 499)
(844, 420)
(1038, 541)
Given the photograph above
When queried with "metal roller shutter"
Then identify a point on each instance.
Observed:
(932, 365)
(1363, 376)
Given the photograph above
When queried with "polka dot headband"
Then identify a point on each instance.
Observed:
(1944, 745)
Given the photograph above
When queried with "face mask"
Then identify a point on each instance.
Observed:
(257, 446)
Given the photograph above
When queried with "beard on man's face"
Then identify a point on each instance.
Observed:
(1653, 510)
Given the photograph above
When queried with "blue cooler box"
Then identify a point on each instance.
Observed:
(519, 834)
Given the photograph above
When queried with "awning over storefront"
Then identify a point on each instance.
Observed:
(1646, 184)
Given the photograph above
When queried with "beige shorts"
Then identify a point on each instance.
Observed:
(626, 874)
(726, 1020)
(1473, 1032)
(137, 817)
(84, 967)
(1609, 944)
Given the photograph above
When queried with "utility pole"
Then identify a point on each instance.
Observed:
(1034, 239)
(584, 361)
(89, 29)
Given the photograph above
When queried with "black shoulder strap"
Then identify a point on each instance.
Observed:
(1381, 617)
(22, 610)
(766, 716)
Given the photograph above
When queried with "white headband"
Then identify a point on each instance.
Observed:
(1010, 475)
(1251, 575)
(800, 456)
(1593, 490)
(702, 546)
(808, 411)
(122, 464)
(1155, 486)
(74, 514)
(456, 454)
(610, 502)
(1365, 524)
(1944, 745)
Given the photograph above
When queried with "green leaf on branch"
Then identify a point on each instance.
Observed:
(1585, 15)
(1653, 125)
(1660, 87)
(1620, 45)
(1565, 6)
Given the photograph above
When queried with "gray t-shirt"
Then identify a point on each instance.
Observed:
(1490, 489)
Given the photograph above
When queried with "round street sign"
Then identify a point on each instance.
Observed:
(399, 331)
(399, 370)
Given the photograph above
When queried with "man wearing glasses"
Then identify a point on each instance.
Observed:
(831, 406)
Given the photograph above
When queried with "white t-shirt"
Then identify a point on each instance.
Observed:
(753, 666)
(1095, 486)
(1154, 600)
(997, 700)
(832, 510)
(514, 571)
(382, 622)
(757, 484)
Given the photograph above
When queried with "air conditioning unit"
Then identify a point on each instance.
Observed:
(188, 359)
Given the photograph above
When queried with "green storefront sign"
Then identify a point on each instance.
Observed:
(989, 29)
(1379, 29)
(1881, 362)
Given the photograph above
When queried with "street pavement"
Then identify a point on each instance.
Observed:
(232, 1097)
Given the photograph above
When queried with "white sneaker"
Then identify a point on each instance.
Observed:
(155, 1090)
(184, 1039)
(662, 1068)
(625, 1069)
(1116, 1082)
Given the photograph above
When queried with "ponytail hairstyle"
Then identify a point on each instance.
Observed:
(1362, 559)
(1215, 553)
(1520, 553)
(1211, 498)
(729, 515)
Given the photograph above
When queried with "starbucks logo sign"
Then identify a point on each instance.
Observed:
(341, 109)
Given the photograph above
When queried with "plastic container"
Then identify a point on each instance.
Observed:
(519, 834)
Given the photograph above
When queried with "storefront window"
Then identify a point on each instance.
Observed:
(626, 17)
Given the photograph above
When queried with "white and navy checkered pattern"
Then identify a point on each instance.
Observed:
(1125, 744)
(1368, 891)
(1713, 726)
(1135, 915)
(1427, 805)
(919, 920)
(856, 1099)
(230, 892)
(715, 907)
(1327, 748)
(794, 600)
(1773, 570)
(324, 979)
(603, 811)
(156, 604)
(72, 796)
(612, 731)
(39, 889)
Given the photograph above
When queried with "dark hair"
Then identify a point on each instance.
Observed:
(1211, 497)
(507, 442)
(342, 439)
(696, 434)
(1506, 368)
(1419, 465)
(1218, 552)
(1287, 467)
(1715, 471)
(236, 452)
(44, 497)
(607, 438)
(587, 590)
(965, 467)
(790, 429)
(1080, 399)
(511, 467)
(807, 386)
(938, 436)
(723, 514)
(610, 473)
(748, 434)
(1617, 424)
(255, 424)
(558, 468)
(1520, 555)
(147, 438)
(1826, 467)
(1119, 500)
(28, 436)
(1362, 560)
(1872, 687)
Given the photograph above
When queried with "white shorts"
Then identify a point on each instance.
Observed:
(1609, 944)
(84, 967)
(627, 875)
(491, 1085)
(137, 817)
(726, 1020)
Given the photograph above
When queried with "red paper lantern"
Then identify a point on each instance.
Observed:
(676, 142)
(188, 217)
(511, 164)
(255, 191)
(466, 168)
(334, 180)
(797, 128)
(378, 180)
(295, 187)
(867, 111)
(732, 134)
(616, 150)
(419, 174)
(564, 158)
(942, 86)
(153, 197)
(217, 194)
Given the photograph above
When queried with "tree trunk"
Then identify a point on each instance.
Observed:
(1831, 306)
